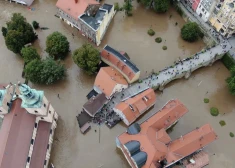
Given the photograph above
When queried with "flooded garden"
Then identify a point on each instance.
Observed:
(97, 148)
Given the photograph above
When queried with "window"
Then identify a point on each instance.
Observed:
(28, 159)
(0, 111)
(42, 118)
(48, 146)
(49, 111)
(45, 162)
(44, 105)
(35, 125)
(50, 131)
(32, 141)
(35, 111)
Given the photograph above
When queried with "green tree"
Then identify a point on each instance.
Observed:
(231, 81)
(191, 32)
(35, 25)
(87, 57)
(14, 41)
(146, 3)
(161, 6)
(45, 71)
(4, 31)
(19, 23)
(128, 7)
(29, 54)
(57, 45)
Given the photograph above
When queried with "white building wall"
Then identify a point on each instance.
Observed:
(122, 116)
(202, 12)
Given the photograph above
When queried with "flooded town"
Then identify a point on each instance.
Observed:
(163, 98)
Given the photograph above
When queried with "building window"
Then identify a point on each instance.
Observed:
(49, 111)
(45, 162)
(203, 9)
(48, 146)
(32, 141)
(28, 159)
(44, 105)
(42, 118)
(50, 131)
(35, 125)
(0, 111)
(35, 111)
(218, 21)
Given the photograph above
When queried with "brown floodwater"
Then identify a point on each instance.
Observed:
(71, 149)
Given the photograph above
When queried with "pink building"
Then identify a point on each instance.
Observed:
(192, 4)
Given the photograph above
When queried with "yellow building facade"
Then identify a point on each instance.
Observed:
(223, 18)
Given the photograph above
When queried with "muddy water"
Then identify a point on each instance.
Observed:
(97, 149)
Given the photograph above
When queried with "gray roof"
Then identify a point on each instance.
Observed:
(122, 58)
(95, 104)
(95, 21)
(107, 7)
(133, 147)
(133, 129)
(140, 159)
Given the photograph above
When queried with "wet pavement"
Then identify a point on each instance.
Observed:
(97, 148)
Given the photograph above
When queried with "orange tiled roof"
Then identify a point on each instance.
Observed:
(129, 69)
(156, 143)
(75, 9)
(140, 103)
(107, 79)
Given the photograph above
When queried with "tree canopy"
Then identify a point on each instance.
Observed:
(231, 81)
(161, 6)
(18, 27)
(87, 57)
(146, 3)
(29, 54)
(128, 7)
(191, 32)
(57, 45)
(45, 71)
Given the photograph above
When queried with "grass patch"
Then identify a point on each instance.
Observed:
(222, 123)
(228, 61)
(206, 100)
(151, 32)
(158, 40)
(214, 111)
(164, 47)
(231, 134)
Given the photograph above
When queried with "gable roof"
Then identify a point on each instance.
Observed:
(107, 79)
(75, 9)
(133, 107)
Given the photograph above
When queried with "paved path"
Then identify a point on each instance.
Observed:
(183, 68)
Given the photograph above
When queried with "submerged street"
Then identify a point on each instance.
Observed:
(97, 149)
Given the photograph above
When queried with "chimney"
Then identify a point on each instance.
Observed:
(76, 1)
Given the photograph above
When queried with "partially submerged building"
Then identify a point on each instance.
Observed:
(109, 81)
(132, 108)
(147, 145)
(29, 122)
(88, 16)
(121, 63)
(23, 2)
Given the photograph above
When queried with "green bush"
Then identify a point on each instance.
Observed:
(140, 81)
(222, 123)
(206, 100)
(214, 111)
(35, 25)
(29, 54)
(116, 6)
(158, 40)
(164, 47)
(151, 32)
(231, 134)
(228, 61)
(191, 32)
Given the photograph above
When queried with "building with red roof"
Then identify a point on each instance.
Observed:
(132, 108)
(147, 145)
(88, 16)
(28, 126)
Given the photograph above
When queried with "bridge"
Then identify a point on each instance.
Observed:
(181, 69)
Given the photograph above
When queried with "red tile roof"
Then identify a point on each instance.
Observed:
(140, 103)
(75, 9)
(15, 136)
(40, 145)
(107, 79)
(156, 143)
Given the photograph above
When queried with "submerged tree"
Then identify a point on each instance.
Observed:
(14, 41)
(146, 3)
(161, 6)
(191, 32)
(87, 57)
(128, 7)
(57, 45)
(231, 81)
(29, 54)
